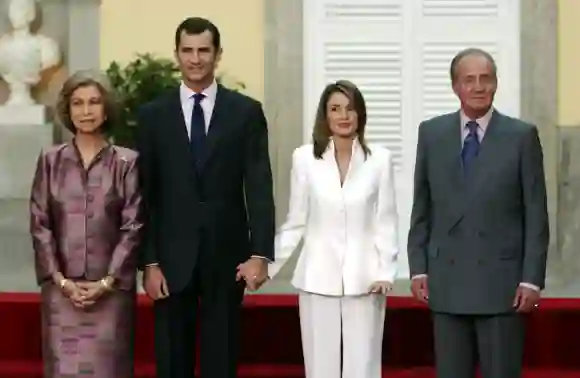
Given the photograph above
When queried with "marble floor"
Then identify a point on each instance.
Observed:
(17, 270)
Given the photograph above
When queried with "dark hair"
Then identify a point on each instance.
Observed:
(87, 78)
(198, 25)
(469, 52)
(321, 133)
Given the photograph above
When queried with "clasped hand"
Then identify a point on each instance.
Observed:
(380, 287)
(254, 271)
(84, 294)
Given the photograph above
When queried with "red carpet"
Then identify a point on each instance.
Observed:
(271, 323)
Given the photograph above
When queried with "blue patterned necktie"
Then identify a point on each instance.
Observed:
(470, 147)
(198, 133)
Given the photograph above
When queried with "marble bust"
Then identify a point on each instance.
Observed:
(24, 55)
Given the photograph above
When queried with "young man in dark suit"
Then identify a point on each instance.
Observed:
(207, 187)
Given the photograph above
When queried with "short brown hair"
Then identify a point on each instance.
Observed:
(195, 26)
(86, 78)
(321, 133)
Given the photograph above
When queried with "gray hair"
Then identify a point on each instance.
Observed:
(470, 52)
(86, 78)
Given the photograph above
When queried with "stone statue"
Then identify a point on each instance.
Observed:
(24, 55)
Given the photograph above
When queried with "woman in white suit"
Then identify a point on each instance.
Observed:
(342, 205)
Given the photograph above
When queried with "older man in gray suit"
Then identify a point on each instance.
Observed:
(479, 226)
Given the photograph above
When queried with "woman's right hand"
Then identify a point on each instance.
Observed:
(72, 292)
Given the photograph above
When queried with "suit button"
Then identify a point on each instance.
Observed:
(452, 261)
(90, 197)
(480, 261)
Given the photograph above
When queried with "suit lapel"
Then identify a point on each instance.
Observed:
(177, 121)
(451, 152)
(177, 131)
(331, 168)
(217, 124)
(356, 162)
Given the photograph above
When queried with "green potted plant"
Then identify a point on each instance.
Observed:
(140, 81)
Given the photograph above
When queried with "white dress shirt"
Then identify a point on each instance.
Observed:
(207, 104)
(350, 233)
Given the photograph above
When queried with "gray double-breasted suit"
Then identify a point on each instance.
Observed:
(477, 238)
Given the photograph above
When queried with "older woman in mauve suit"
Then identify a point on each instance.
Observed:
(85, 227)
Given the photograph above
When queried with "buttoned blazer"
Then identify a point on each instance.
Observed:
(349, 232)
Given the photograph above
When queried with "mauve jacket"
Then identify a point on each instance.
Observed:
(85, 222)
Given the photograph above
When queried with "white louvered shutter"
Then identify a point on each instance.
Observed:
(448, 26)
(398, 53)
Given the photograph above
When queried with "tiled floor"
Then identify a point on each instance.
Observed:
(17, 270)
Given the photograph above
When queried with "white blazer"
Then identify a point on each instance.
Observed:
(350, 233)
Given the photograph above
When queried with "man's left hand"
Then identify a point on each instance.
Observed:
(526, 299)
(254, 271)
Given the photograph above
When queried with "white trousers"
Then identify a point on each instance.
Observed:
(359, 320)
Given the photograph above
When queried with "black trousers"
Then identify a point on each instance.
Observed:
(495, 341)
(213, 300)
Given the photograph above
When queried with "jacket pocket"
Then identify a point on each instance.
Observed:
(433, 251)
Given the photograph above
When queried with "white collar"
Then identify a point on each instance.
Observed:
(210, 93)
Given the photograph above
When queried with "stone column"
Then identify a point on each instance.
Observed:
(283, 100)
(539, 101)
(83, 47)
(283, 89)
(568, 214)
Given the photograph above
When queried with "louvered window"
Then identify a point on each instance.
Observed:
(398, 52)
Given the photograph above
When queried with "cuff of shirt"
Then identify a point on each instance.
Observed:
(417, 276)
(530, 286)
(261, 257)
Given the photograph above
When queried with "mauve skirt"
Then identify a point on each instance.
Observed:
(96, 342)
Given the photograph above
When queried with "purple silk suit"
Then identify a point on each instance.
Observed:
(84, 224)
